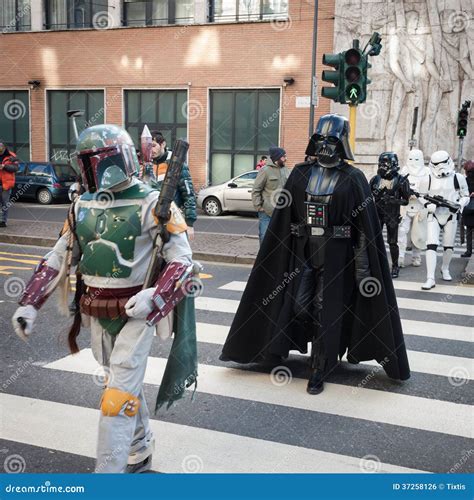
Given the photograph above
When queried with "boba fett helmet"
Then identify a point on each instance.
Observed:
(106, 157)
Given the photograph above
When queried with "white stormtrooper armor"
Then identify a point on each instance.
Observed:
(451, 186)
(414, 214)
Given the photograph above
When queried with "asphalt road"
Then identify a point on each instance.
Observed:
(246, 224)
(249, 419)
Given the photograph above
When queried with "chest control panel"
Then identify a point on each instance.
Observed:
(316, 214)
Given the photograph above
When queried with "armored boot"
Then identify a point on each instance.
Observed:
(447, 256)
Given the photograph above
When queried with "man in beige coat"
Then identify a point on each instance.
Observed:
(266, 190)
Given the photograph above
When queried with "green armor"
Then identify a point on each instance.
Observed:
(97, 229)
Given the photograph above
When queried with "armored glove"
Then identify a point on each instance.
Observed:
(140, 305)
(431, 208)
(23, 320)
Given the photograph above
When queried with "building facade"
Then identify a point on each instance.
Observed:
(233, 76)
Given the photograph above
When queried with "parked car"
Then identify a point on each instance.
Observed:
(234, 195)
(44, 182)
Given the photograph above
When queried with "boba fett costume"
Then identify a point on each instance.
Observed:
(109, 235)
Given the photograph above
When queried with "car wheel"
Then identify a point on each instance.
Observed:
(212, 206)
(44, 196)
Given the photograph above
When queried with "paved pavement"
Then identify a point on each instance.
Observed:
(242, 224)
(249, 419)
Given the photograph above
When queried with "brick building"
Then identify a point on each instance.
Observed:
(213, 71)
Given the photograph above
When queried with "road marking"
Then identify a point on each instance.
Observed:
(462, 290)
(21, 261)
(22, 254)
(5, 269)
(216, 334)
(446, 307)
(73, 429)
(353, 402)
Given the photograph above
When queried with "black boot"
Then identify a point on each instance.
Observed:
(315, 382)
(466, 254)
(395, 271)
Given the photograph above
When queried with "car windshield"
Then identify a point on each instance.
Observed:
(65, 172)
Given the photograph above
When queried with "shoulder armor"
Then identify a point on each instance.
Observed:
(176, 224)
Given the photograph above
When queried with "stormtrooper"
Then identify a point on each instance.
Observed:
(110, 238)
(447, 195)
(413, 225)
(390, 191)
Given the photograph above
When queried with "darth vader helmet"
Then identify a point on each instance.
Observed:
(330, 140)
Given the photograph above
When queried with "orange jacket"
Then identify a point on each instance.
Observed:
(7, 179)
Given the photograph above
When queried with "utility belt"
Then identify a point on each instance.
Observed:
(107, 303)
(300, 230)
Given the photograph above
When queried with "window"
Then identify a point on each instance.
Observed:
(15, 122)
(157, 12)
(246, 180)
(163, 110)
(244, 124)
(15, 15)
(247, 10)
(39, 170)
(71, 14)
(61, 134)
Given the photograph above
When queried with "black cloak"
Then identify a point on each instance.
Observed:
(360, 319)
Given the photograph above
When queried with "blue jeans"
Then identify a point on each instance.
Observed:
(5, 201)
(264, 220)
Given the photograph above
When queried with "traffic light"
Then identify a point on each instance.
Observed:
(463, 117)
(335, 93)
(356, 65)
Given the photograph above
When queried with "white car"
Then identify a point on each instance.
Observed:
(234, 195)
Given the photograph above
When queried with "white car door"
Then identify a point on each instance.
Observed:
(238, 193)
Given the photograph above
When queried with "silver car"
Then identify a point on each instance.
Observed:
(234, 195)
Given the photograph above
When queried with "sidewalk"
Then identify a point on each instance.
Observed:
(214, 247)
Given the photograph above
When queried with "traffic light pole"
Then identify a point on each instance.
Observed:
(313, 67)
(352, 122)
(460, 150)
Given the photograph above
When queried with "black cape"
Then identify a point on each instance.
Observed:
(365, 325)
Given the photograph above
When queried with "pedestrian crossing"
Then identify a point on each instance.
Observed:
(253, 419)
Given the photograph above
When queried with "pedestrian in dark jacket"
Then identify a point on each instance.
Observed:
(8, 168)
(468, 212)
(185, 196)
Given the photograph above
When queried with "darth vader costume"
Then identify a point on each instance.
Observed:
(321, 275)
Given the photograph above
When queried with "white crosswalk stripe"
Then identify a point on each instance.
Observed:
(72, 429)
(407, 411)
(75, 431)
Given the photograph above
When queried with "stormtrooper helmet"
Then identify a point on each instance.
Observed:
(441, 164)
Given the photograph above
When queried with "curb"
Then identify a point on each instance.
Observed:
(14, 239)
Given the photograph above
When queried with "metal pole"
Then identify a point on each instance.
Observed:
(313, 67)
(352, 122)
(460, 150)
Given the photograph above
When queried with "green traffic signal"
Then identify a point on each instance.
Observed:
(462, 122)
(355, 76)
